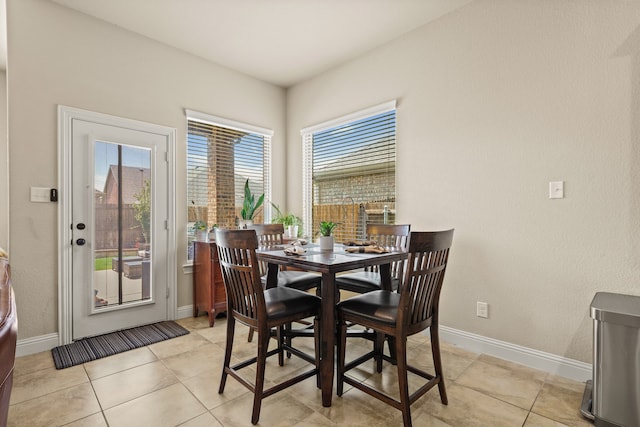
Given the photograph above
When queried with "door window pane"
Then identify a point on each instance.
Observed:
(123, 236)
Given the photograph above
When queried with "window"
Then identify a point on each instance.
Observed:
(221, 156)
(349, 172)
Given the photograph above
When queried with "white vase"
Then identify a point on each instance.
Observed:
(326, 243)
(201, 235)
(244, 223)
(292, 231)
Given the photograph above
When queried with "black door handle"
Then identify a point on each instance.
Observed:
(81, 242)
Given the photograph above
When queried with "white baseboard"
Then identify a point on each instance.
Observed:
(36, 344)
(558, 365)
(184, 311)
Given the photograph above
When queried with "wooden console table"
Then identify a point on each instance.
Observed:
(209, 294)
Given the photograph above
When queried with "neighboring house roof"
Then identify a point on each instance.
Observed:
(377, 155)
(133, 179)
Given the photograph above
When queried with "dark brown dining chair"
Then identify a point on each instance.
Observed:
(270, 235)
(391, 236)
(394, 236)
(410, 310)
(261, 310)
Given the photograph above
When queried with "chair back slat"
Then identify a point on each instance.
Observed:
(240, 273)
(268, 235)
(392, 237)
(424, 275)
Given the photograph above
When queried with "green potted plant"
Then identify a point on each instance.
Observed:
(200, 227)
(290, 222)
(212, 233)
(326, 239)
(250, 206)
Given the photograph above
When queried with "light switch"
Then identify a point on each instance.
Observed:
(556, 189)
(40, 194)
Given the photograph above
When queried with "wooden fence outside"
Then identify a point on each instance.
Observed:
(352, 219)
(106, 227)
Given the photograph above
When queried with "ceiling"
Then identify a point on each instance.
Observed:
(282, 42)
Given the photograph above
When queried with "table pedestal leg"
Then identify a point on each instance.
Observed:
(328, 337)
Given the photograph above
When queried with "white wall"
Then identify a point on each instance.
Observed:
(4, 165)
(58, 56)
(494, 101)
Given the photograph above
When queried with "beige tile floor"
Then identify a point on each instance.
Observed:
(175, 383)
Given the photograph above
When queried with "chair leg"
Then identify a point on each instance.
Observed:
(227, 353)
(316, 342)
(288, 338)
(250, 336)
(263, 345)
(280, 337)
(342, 344)
(403, 382)
(378, 347)
(437, 362)
(392, 348)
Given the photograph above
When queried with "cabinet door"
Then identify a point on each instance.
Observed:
(208, 288)
(203, 297)
(219, 291)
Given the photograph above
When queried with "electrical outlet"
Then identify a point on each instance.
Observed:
(556, 190)
(482, 309)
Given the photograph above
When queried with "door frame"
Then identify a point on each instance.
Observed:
(65, 135)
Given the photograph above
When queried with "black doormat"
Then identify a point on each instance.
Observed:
(92, 348)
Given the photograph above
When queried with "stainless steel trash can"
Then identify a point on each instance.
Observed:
(616, 359)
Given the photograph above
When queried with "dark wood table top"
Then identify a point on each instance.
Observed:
(324, 261)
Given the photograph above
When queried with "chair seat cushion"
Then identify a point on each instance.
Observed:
(362, 281)
(301, 280)
(284, 302)
(376, 306)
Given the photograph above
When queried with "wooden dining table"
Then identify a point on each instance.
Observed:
(329, 263)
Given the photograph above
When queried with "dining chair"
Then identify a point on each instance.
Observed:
(394, 236)
(410, 310)
(261, 310)
(271, 235)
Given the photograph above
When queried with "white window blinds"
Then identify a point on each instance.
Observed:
(349, 172)
(221, 156)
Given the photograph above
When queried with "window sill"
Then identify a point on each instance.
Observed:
(187, 268)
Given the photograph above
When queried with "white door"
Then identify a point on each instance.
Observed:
(119, 226)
